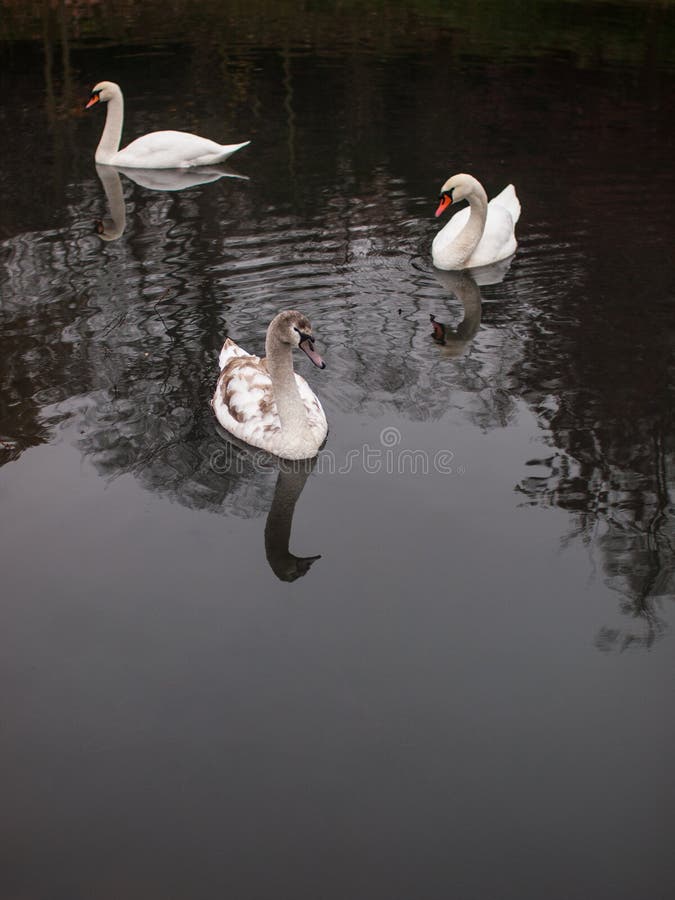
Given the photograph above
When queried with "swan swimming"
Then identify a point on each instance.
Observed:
(157, 150)
(263, 401)
(480, 235)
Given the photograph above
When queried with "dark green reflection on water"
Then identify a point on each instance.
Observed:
(625, 31)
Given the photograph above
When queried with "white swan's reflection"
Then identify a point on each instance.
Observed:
(464, 284)
(112, 226)
(484, 275)
(178, 179)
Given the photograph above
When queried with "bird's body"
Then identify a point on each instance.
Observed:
(157, 150)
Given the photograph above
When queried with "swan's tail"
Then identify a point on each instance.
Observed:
(509, 200)
(230, 351)
(229, 149)
(220, 155)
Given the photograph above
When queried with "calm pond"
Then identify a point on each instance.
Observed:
(439, 663)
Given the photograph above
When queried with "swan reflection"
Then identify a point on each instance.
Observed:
(112, 226)
(290, 483)
(464, 285)
(178, 179)
(291, 478)
(455, 341)
(484, 275)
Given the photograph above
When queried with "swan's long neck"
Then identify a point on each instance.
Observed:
(112, 130)
(468, 238)
(290, 407)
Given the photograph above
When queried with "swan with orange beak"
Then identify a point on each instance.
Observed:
(157, 150)
(480, 235)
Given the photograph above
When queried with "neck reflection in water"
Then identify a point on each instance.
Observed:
(290, 484)
(291, 479)
(112, 226)
(464, 285)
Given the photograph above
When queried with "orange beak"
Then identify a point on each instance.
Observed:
(93, 99)
(443, 205)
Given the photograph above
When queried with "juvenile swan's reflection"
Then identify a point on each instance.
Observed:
(112, 226)
(291, 478)
(464, 284)
(290, 483)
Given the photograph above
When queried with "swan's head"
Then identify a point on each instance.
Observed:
(457, 188)
(292, 327)
(290, 568)
(439, 331)
(102, 92)
(108, 229)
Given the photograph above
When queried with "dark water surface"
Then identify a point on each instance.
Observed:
(470, 693)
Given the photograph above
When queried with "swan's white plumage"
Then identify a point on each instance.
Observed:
(497, 240)
(173, 150)
(157, 150)
(244, 404)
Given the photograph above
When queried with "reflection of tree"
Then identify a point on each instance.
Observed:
(20, 425)
(132, 358)
(610, 421)
(132, 327)
(587, 32)
(618, 499)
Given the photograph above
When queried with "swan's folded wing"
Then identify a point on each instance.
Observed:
(166, 149)
(229, 351)
(498, 240)
(243, 401)
(498, 230)
(509, 200)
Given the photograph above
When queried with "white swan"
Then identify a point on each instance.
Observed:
(263, 402)
(157, 150)
(480, 235)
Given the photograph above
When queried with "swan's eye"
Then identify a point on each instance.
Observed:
(304, 336)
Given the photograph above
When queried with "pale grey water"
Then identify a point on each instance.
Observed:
(470, 693)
